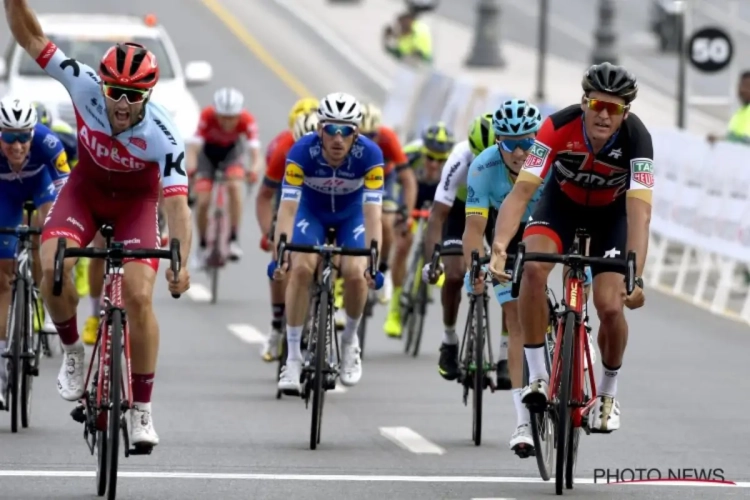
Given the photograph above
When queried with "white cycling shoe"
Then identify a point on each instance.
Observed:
(351, 364)
(605, 416)
(386, 292)
(289, 380)
(142, 431)
(522, 442)
(235, 251)
(271, 347)
(536, 393)
(70, 379)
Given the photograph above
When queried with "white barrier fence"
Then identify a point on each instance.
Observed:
(700, 241)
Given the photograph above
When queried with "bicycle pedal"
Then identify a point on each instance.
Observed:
(79, 414)
(290, 392)
(6, 355)
(141, 449)
(34, 372)
(523, 451)
(27, 355)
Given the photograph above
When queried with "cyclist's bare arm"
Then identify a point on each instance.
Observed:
(434, 232)
(179, 223)
(25, 27)
(511, 211)
(373, 223)
(409, 183)
(191, 157)
(474, 237)
(264, 207)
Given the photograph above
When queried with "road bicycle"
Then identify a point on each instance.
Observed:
(23, 349)
(321, 364)
(415, 293)
(572, 395)
(103, 406)
(372, 299)
(218, 229)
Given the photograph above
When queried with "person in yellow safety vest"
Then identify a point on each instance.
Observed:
(739, 126)
(410, 41)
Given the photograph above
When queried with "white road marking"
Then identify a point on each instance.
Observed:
(198, 293)
(410, 440)
(493, 498)
(247, 333)
(339, 478)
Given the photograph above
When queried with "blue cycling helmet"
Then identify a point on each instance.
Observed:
(516, 117)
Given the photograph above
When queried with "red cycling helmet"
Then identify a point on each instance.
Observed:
(129, 65)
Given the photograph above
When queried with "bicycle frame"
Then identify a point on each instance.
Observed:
(218, 224)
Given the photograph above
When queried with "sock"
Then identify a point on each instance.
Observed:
(68, 331)
(96, 306)
(278, 316)
(608, 383)
(449, 335)
(233, 234)
(535, 358)
(349, 335)
(383, 267)
(503, 354)
(522, 413)
(293, 341)
(143, 384)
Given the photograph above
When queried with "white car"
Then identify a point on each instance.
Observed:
(86, 37)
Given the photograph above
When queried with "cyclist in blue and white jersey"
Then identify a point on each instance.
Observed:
(33, 166)
(490, 179)
(333, 179)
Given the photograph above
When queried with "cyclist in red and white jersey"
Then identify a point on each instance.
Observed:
(226, 133)
(126, 146)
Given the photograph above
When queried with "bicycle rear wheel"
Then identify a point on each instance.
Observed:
(115, 410)
(14, 368)
(478, 345)
(543, 424)
(564, 420)
(320, 359)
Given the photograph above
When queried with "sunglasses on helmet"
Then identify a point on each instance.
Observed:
(510, 145)
(133, 96)
(13, 137)
(339, 128)
(612, 108)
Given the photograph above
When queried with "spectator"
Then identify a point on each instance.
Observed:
(410, 40)
(739, 125)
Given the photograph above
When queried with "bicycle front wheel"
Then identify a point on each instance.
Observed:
(320, 360)
(30, 362)
(478, 369)
(115, 399)
(542, 423)
(564, 420)
(14, 367)
(420, 310)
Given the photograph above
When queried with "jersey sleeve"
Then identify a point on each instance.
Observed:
(55, 155)
(74, 75)
(294, 173)
(542, 154)
(641, 164)
(275, 167)
(172, 166)
(477, 191)
(453, 174)
(204, 123)
(374, 175)
(391, 147)
(250, 129)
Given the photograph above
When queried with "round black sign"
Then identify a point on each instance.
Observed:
(710, 50)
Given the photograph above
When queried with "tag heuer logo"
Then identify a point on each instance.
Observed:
(643, 166)
(643, 172)
(537, 155)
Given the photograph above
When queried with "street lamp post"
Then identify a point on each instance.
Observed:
(605, 36)
(485, 52)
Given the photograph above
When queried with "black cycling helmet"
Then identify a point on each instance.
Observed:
(438, 139)
(610, 79)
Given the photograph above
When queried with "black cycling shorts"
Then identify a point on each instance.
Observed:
(557, 217)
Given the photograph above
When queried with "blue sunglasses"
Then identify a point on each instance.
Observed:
(510, 145)
(11, 137)
(337, 128)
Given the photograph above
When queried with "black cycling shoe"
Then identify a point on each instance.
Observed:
(503, 378)
(448, 363)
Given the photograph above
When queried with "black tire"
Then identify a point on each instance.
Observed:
(15, 369)
(213, 272)
(320, 359)
(28, 364)
(570, 462)
(115, 399)
(101, 462)
(542, 426)
(564, 420)
(478, 356)
(282, 361)
(407, 313)
(362, 328)
(420, 310)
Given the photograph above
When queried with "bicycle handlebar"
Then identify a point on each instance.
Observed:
(575, 261)
(118, 253)
(476, 265)
(371, 252)
(20, 231)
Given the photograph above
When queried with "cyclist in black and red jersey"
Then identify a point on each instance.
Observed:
(602, 160)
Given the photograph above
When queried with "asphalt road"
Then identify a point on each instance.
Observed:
(571, 35)
(223, 433)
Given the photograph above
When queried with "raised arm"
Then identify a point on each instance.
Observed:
(25, 27)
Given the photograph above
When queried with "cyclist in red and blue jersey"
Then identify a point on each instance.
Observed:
(333, 180)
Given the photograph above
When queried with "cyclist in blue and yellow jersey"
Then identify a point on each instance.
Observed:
(33, 166)
(333, 180)
(410, 40)
(426, 156)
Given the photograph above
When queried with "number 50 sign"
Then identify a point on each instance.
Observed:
(710, 50)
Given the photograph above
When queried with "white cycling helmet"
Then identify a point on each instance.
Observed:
(340, 107)
(371, 119)
(17, 113)
(304, 124)
(228, 101)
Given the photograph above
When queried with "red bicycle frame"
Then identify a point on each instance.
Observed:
(112, 297)
(575, 299)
